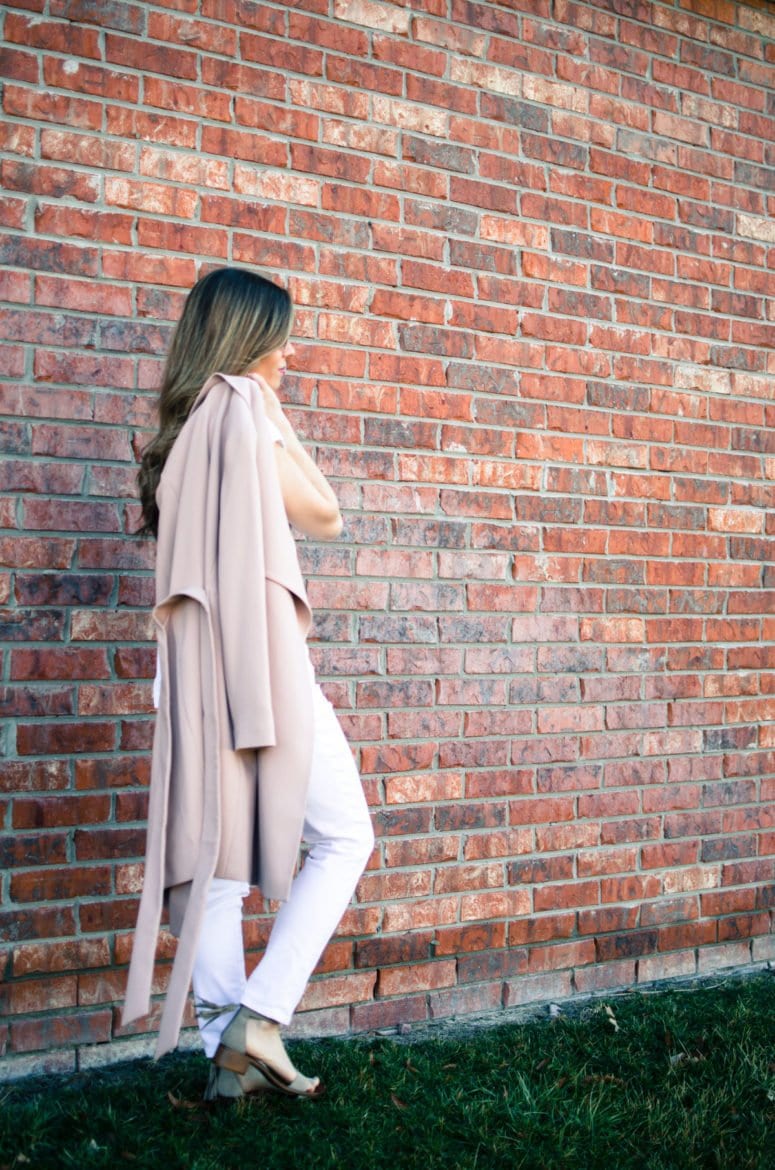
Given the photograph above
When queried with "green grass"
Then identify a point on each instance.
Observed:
(663, 1081)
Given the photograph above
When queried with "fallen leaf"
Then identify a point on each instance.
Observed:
(180, 1103)
(611, 1018)
(686, 1058)
(397, 1102)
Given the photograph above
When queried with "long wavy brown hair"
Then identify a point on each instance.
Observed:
(231, 318)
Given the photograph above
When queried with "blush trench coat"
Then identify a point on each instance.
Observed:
(233, 738)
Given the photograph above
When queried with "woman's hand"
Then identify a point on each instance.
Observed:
(272, 405)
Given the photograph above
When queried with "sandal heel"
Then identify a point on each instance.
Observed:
(237, 1062)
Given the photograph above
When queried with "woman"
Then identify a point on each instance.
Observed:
(248, 756)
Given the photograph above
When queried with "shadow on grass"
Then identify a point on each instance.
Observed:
(663, 1081)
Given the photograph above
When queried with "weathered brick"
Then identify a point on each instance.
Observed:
(345, 989)
(44, 957)
(388, 1013)
(64, 738)
(57, 1031)
(420, 913)
(53, 812)
(417, 977)
(47, 885)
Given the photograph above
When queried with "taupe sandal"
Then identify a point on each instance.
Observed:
(223, 1084)
(232, 1056)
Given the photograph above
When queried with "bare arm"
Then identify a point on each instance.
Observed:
(309, 499)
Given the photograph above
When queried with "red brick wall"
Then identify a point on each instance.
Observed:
(529, 243)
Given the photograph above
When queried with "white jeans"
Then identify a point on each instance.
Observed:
(338, 828)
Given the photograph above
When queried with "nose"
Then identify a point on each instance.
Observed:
(288, 349)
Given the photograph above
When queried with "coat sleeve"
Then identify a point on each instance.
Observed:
(241, 577)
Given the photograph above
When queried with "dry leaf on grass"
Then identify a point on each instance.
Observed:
(686, 1058)
(611, 1017)
(180, 1102)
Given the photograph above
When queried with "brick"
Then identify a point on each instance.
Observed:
(87, 149)
(47, 885)
(494, 904)
(48, 255)
(471, 877)
(101, 987)
(547, 986)
(425, 850)
(53, 812)
(481, 997)
(45, 957)
(492, 964)
(24, 776)
(91, 79)
(18, 139)
(167, 60)
(498, 843)
(116, 14)
(54, 181)
(134, 123)
(333, 990)
(105, 916)
(28, 701)
(56, 108)
(64, 739)
(385, 951)
(42, 921)
(273, 119)
(57, 1031)
(413, 56)
(670, 966)
(417, 977)
(420, 913)
(415, 789)
(542, 958)
(25, 997)
(388, 1013)
(731, 954)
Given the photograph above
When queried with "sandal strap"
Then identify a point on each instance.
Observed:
(208, 1011)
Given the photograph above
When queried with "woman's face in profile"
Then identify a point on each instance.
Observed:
(272, 365)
